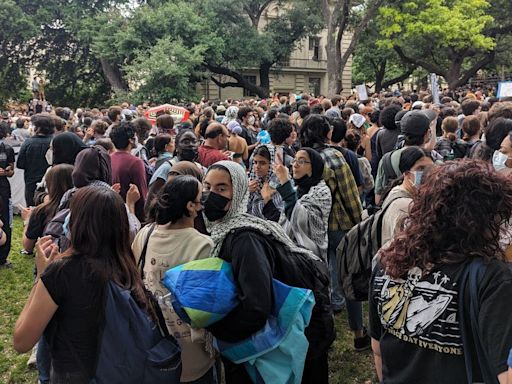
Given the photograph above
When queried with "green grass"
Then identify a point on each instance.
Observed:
(345, 365)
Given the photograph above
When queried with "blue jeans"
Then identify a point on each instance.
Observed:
(354, 308)
(44, 360)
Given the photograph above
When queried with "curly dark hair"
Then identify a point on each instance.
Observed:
(457, 214)
(387, 116)
(314, 131)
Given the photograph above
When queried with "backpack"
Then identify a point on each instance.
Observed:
(387, 166)
(132, 348)
(307, 273)
(142, 154)
(355, 253)
(55, 228)
(474, 353)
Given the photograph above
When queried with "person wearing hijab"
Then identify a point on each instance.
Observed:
(65, 147)
(264, 202)
(307, 206)
(259, 250)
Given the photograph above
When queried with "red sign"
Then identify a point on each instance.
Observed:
(179, 114)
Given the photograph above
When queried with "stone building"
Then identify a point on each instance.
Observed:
(304, 71)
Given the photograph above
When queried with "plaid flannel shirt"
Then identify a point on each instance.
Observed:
(346, 203)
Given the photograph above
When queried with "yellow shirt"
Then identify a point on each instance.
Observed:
(168, 248)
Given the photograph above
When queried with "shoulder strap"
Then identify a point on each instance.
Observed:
(471, 341)
(382, 212)
(387, 165)
(142, 258)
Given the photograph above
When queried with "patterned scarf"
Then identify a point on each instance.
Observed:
(237, 217)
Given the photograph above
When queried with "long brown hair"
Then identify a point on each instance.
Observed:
(58, 181)
(99, 231)
(456, 215)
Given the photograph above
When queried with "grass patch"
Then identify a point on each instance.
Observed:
(345, 365)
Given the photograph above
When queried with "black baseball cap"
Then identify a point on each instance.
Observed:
(417, 122)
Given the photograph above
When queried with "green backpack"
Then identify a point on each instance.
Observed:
(355, 253)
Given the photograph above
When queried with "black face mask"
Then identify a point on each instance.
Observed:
(214, 205)
(188, 154)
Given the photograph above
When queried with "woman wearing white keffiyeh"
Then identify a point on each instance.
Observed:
(307, 206)
(236, 217)
(259, 250)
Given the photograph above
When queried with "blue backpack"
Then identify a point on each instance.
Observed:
(131, 346)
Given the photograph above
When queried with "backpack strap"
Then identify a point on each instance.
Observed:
(142, 258)
(388, 169)
(385, 207)
(471, 340)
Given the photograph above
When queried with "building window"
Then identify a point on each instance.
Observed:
(284, 61)
(314, 46)
(314, 85)
(251, 79)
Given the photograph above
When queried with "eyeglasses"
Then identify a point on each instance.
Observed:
(300, 162)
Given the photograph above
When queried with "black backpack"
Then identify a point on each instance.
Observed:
(307, 273)
(55, 228)
(355, 253)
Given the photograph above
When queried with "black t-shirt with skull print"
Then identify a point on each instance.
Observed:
(416, 321)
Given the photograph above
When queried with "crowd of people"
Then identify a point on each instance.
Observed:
(272, 187)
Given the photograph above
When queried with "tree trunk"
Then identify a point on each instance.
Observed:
(113, 76)
(379, 75)
(265, 79)
(330, 46)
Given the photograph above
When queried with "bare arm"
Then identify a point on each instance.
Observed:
(505, 378)
(40, 306)
(34, 318)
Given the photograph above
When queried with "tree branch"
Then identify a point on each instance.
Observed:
(225, 85)
(419, 63)
(399, 78)
(487, 59)
(241, 82)
(371, 11)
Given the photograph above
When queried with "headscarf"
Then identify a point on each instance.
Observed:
(92, 164)
(237, 217)
(231, 114)
(252, 174)
(234, 127)
(305, 183)
(187, 168)
(66, 147)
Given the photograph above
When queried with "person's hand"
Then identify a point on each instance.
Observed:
(89, 133)
(152, 161)
(132, 196)
(25, 213)
(3, 172)
(253, 185)
(282, 173)
(267, 192)
(46, 253)
(117, 187)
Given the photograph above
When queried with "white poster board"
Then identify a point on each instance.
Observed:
(504, 89)
(361, 92)
(434, 88)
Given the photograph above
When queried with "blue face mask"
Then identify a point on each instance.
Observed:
(65, 226)
(418, 176)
